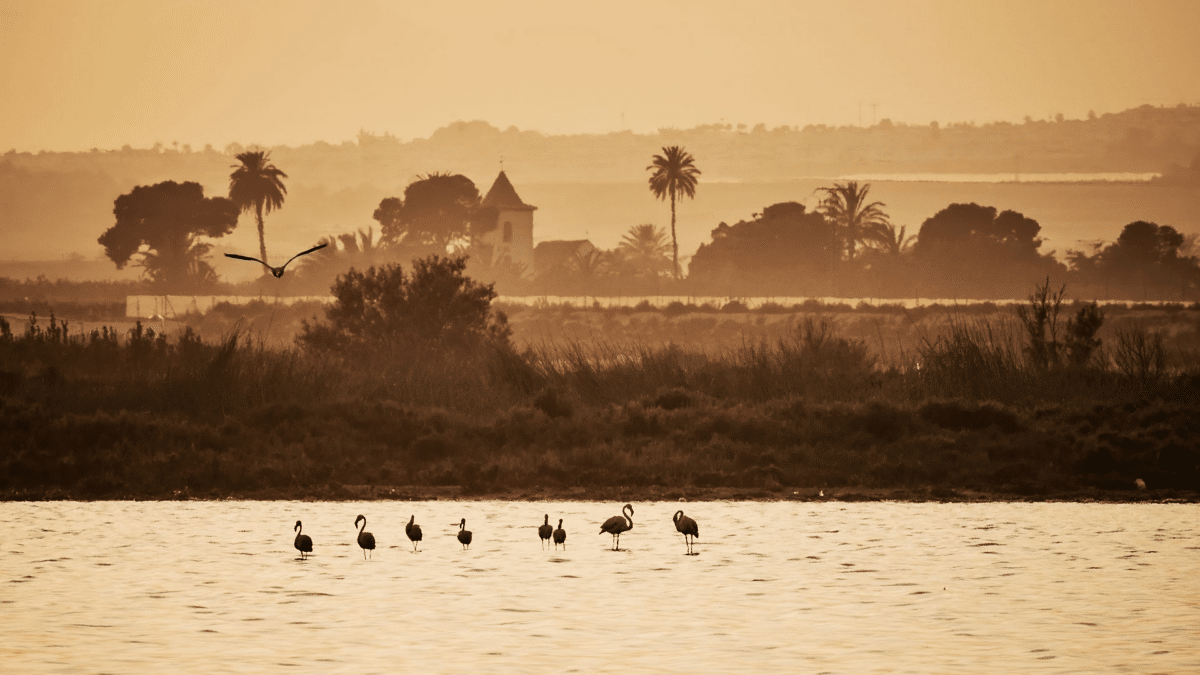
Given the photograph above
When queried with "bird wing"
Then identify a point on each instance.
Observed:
(245, 257)
(612, 524)
(315, 248)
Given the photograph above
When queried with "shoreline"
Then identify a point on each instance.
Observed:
(339, 493)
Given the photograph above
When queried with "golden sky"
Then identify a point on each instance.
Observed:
(77, 75)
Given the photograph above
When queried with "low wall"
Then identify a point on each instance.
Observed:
(175, 306)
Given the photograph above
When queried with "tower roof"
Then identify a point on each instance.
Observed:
(503, 197)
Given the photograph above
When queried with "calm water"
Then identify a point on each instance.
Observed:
(199, 587)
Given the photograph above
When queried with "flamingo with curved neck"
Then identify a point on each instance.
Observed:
(365, 539)
(618, 524)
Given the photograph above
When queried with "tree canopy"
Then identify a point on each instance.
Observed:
(785, 247)
(161, 223)
(1147, 254)
(438, 210)
(857, 220)
(972, 247)
(972, 229)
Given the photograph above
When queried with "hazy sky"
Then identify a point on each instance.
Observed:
(77, 75)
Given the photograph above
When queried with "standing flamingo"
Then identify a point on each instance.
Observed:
(464, 535)
(686, 526)
(545, 531)
(560, 536)
(365, 539)
(413, 531)
(303, 541)
(618, 524)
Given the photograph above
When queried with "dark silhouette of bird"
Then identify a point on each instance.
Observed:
(413, 531)
(303, 541)
(464, 535)
(687, 526)
(276, 271)
(618, 524)
(365, 539)
(560, 536)
(545, 531)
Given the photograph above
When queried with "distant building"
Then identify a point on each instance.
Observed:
(551, 255)
(513, 236)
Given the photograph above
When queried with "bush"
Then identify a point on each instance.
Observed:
(438, 306)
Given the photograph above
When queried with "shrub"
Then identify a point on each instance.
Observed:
(1081, 339)
(436, 306)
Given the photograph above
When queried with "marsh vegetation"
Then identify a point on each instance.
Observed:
(1054, 399)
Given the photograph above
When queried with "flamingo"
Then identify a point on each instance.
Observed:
(303, 541)
(276, 271)
(545, 531)
(618, 524)
(365, 539)
(464, 535)
(560, 536)
(686, 526)
(413, 531)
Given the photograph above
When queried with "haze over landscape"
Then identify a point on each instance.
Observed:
(83, 75)
(481, 267)
(774, 100)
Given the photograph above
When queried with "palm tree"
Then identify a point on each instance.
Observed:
(645, 247)
(674, 177)
(890, 240)
(255, 184)
(846, 205)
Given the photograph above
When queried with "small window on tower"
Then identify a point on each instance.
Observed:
(507, 232)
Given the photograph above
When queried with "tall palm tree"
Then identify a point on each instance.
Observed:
(846, 205)
(255, 184)
(674, 177)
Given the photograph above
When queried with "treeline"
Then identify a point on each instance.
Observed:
(384, 393)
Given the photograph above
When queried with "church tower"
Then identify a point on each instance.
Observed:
(513, 236)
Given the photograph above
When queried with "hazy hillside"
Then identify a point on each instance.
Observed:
(55, 204)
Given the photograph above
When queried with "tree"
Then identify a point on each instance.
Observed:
(846, 205)
(644, 248)
(255, 184)
(436, 308)
(161, 223)
(1148, 254)
(970, 249)
(889, 240)
(781, 250)
(674, 177)
(439, 210)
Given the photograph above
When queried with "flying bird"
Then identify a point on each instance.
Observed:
(686, 526)
(365, 539)
(464, 535)
(303, 541)
(277, 271)
(413, 531)
(560, 536)
(545, 531)
(618, 524)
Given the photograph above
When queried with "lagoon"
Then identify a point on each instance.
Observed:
(776, 587)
